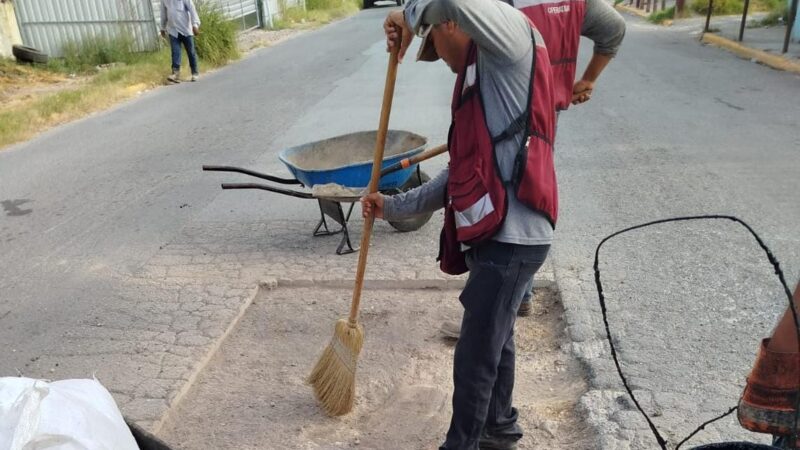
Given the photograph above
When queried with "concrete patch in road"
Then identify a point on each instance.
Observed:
(253, 393)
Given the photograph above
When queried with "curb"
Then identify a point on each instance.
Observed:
(587, 344)
(206, 359)
(632, 10)
(768, 59)
(441, 284)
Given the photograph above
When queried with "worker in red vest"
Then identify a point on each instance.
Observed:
(561, 24)
(499, 192)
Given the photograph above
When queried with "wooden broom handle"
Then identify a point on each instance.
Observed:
(436, 151)
(377, 162)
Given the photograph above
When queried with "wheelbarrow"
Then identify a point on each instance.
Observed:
(346, 161)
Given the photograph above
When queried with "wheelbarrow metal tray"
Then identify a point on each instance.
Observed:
(347, 159)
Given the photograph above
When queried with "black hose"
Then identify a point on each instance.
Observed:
(661, 441)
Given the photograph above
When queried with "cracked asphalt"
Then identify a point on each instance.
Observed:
(121, 259)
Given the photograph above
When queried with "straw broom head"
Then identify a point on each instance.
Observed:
(334, 377)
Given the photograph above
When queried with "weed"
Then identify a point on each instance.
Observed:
(778, 16)
(727, 7)
(216, 43)
(660, 17)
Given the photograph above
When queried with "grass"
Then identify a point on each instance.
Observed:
(26, 116)
(97, 73)
(776, 17)
(316, 12)
(216, 43)
(662, 16)
(86, 55)
(727, 7)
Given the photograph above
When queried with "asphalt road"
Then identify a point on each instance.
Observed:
(673, 128)
(105, 192)
(677, 129)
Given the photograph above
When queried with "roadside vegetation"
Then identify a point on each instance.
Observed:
(95, 74)
(726, 7)
(778, 16)
(662, 16)
(316, 12)
(777, 11)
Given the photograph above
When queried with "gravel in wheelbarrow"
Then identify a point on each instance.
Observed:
(347, 159)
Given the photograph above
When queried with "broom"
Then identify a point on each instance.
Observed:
(334, 376)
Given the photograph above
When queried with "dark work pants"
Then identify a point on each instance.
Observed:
(483, 365)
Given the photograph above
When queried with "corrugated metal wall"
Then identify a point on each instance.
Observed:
(244, 12)
(49, 24)
(271, 9)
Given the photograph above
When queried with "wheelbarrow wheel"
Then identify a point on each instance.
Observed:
(416, 222)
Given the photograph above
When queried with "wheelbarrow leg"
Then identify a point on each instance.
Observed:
(334, 210)
(322, 224)
(346, 237)
(345, 240)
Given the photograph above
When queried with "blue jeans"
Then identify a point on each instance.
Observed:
(483, 364)
(188, 43)
(528, 295)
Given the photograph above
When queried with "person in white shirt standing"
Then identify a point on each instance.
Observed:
(179, 19)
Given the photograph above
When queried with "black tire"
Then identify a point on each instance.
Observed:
(416, 222)
(369, 4)
(400, 2)
(27, 54)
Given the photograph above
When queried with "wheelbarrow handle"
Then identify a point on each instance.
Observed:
(416, 159)
(252, 173)
(265, 187)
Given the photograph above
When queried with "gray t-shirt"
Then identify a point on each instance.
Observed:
(505, 49)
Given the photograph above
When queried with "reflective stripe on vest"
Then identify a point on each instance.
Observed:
(476, 195)
(475, 213)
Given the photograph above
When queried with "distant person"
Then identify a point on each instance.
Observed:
(179, 19)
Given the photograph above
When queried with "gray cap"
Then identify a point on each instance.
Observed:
(427, 52)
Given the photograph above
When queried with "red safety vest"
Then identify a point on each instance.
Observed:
(560, 23)
(477, 203)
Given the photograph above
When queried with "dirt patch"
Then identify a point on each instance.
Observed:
(351, 149)
(253, 395)
(257, 38)
(20, 84)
